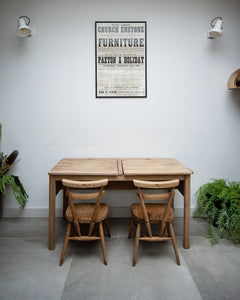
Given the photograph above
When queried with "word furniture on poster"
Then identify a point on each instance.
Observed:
(121, 59)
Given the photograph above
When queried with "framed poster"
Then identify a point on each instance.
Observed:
(120, 59)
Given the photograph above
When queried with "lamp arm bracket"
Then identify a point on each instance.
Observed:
(25, 17)
(215, 19)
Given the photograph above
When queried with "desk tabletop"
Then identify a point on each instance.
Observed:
(118, 167)
(86, 166)
(153, 166)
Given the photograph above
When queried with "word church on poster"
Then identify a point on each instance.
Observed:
(120, 59)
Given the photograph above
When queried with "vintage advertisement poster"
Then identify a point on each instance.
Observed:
(121, 59)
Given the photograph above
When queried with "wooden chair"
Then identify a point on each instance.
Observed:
(150, 213)
(85, 213)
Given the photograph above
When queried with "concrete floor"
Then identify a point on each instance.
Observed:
(30, 271)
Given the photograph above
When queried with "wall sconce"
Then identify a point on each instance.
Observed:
(23, 28)
(216, 30)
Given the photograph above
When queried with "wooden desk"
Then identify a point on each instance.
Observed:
(120, 174)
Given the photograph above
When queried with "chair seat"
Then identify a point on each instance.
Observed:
(84, 212)
(155, 212)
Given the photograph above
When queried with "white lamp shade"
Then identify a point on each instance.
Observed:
(216, 31)
(23, 29)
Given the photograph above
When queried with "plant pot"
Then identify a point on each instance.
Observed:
(1, 200)
(214, 222)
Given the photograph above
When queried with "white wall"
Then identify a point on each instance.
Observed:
(47, 92)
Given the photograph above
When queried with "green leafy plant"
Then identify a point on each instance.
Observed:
(6, 162)
(219, 203)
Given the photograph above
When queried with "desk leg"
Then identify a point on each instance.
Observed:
(65, 203)
(187, 205)
(52, 195)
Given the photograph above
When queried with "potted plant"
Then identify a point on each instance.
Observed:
(6, 162)
(219, 202)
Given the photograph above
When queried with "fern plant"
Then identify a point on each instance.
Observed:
(6, 162)
(219, 203)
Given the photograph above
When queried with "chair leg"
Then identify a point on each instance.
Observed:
(136, 244)
(131, 228)
(102, 242)
(65, 244)
(91, 226)
(165, 231)
(108, 228)
(172, 235)
(162, 229)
